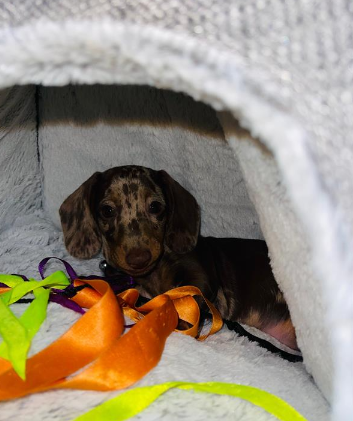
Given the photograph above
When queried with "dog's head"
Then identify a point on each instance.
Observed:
(134, 214)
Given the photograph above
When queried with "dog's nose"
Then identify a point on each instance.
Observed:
(138, 258)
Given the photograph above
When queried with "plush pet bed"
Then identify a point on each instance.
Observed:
(289, 181)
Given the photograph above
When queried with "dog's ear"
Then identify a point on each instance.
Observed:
(82, 238)
(183, 221)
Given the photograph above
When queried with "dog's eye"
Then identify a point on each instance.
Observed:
(155, 207)
(107, 211)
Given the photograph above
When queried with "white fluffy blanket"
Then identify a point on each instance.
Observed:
(223, 357)
(283, 69)
(83, 129)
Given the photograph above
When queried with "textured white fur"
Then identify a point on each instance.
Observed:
(32, 237)
(291, 260)
(223, 357)
(109, 52)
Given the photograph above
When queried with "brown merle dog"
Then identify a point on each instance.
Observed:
(148, 226)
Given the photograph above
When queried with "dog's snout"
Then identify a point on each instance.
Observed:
(138, 258)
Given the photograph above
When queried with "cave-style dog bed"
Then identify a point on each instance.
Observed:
(248, 105)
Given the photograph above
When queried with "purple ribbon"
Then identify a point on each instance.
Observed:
(57, 296)
(69, 269)
(61, 296)
(118, 282)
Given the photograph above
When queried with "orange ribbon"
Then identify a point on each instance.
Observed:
(115, 361)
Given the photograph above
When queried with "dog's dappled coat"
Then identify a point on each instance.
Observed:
(148, 226)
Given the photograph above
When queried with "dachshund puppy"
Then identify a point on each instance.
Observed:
(148, 226)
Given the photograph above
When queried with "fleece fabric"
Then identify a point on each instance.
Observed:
(19, 168)
(290, 260)
(84, 129)
(223, 357)
(283, 69)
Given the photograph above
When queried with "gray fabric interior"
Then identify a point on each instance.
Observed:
(19, 172)
(83, 129)
(282, 68)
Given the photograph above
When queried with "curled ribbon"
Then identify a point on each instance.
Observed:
(134, 401)
(19, 332)
(115, 361)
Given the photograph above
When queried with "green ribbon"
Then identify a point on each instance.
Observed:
(10, 280)
(19, 332)
(16, 339)
(133, 401)
(55, 280)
